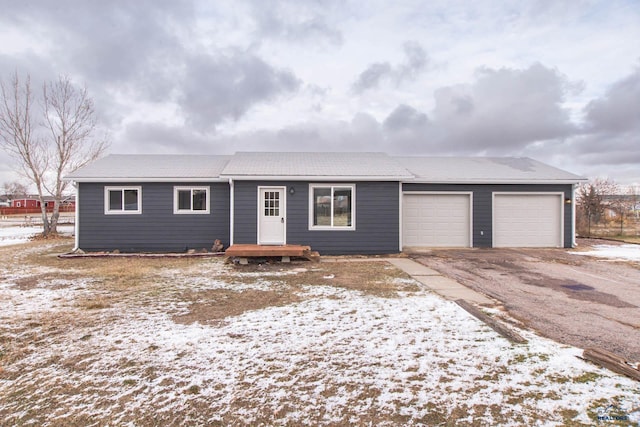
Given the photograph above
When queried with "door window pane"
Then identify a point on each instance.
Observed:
(271, 203)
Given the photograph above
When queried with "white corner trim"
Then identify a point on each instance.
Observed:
(400, 214)
(77, 217)
(232, 209)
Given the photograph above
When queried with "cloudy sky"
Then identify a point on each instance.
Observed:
(555, 80)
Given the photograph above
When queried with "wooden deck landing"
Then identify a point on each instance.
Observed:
(244, 251)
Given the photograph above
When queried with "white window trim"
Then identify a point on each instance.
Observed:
(107, 211)
(177, 211)
(332, 187)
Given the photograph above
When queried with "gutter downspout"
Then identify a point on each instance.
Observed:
(400, 225)
(231, 210)
(76, 226)
(573, 215)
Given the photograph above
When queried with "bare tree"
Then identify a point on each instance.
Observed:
(14, 189)
(634, 195)
(60, 143)
(70, 120)
(623, 204)
(17, 135)
(591, 199)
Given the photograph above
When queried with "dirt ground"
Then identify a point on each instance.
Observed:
(573, 299)
(196, 341)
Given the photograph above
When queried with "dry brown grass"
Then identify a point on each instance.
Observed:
(132, 281)
(37, 331)
(371, 277)
(207, 307)
(116, 289)
(375, 278)
(133, 284)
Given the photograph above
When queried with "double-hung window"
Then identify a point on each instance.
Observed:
(122, 200)
(332, 207)
(191, 200)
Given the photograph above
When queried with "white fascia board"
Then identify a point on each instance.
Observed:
(315, 178)
(148, 179)
(489, 181)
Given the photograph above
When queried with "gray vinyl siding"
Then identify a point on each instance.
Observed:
(376, 224)
(482, 205)
(157, 228)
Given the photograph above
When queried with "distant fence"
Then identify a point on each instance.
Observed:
(32, 211)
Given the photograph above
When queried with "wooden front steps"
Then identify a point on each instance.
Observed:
(246, 251)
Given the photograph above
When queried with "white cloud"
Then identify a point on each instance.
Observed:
(225, 86)
(618, 110)
(416, 60)
(422, 77)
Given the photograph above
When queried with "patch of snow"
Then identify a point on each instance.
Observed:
(16, 235)
(404, 281)
(270, 273)
(328, 359)
(48, 296)
(616, 252)
(313, 291)
(209, 281)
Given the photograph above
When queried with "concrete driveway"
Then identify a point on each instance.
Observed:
(578, 300)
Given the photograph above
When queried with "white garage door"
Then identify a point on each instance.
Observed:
(434, 220)
(527, 220)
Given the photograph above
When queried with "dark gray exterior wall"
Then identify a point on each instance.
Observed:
(482, 205)
(377, 218)
(157, 229)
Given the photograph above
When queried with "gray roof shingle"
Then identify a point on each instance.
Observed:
(152, 166)
(314, 165)
(491, 170)
(321, 166)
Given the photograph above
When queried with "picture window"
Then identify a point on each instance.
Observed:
(332, 207)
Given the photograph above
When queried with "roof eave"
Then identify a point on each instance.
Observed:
(498, 181)
(324, 178)
(144, 179)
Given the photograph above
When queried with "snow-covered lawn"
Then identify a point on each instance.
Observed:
(148, 342)
(12, 235)
(613, 252)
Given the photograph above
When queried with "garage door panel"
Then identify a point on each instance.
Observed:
(436, 220)
(527, 220)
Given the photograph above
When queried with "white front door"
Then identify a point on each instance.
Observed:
(271, 215)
